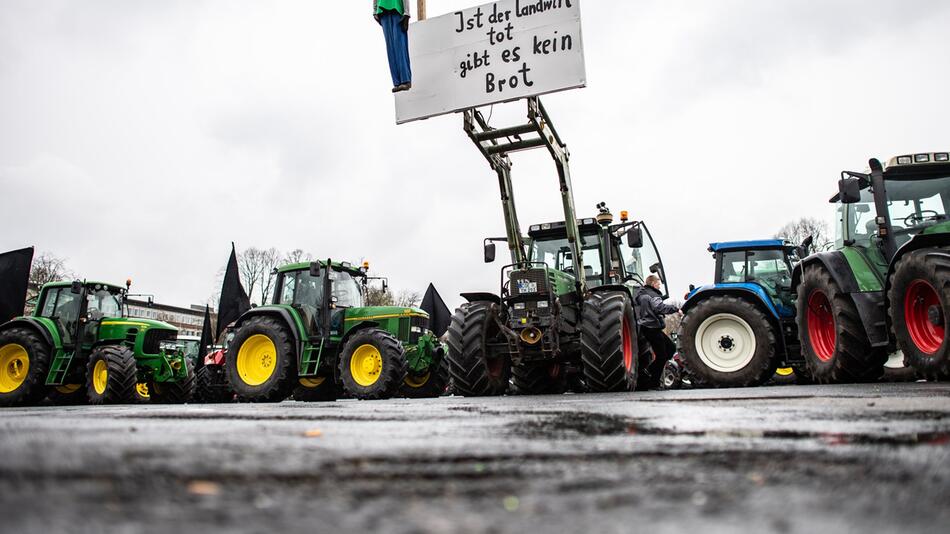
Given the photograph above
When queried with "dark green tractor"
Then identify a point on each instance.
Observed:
(79, 345)
(317, 342)
(886, 287)
(540, 332)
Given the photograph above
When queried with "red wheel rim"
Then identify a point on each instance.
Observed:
(920, 298)
(627, 340)
(821, 325)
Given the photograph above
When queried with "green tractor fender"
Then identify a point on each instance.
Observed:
(281, 314)
(355, 329)
(870, 304)
(43, 327)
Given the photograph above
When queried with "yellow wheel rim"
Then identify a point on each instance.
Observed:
(100, 376)
(14, 367)
(67, 389)
(256, 360)
(311, 383)
(142, 389)
(784, 371)
(417, 381)
(366, 365)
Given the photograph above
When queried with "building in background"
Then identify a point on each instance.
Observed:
(187, 320)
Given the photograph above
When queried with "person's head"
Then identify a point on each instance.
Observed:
(654, 281)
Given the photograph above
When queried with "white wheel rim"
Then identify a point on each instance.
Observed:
(725, 343)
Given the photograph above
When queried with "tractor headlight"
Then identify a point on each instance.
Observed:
(542, 304)
(519, 305)
(921, 158)
(546, 226)
(535, 228)
(415, 330)
(942, 157)
(904, 160)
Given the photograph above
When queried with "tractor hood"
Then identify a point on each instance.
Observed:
(118, 327)
(940, 228)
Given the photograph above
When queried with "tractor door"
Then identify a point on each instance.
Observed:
(638, 262)
(64, 306)
(304, 293)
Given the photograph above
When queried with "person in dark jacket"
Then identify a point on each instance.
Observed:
(393, 16)
(651, 311)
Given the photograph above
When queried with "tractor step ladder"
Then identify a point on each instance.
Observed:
(59, 368)
(496, 144)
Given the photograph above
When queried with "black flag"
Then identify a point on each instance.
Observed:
(206, 340)
(439, 315)
(14, 281)
(234, 301)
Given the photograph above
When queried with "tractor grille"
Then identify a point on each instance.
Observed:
(529, 282)
(154, 338)
(417, 323)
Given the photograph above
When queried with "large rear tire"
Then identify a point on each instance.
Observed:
(178, 392)
(24, 364)
(609, 351)
(919, 305)
(372, 365)
(316, 389)
(833, 340)
(111, 375)
(211, 385)
(728, 342)
(261, 364)
(475, 372)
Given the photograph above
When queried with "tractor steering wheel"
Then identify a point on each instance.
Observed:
(916, 218)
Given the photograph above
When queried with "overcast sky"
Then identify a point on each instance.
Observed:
(139, 138)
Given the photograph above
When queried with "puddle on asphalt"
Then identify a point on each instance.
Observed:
(576, 425)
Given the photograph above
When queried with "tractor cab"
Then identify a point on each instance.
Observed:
(78, 308)
(914, 201)
(765, 264)
(316, 292)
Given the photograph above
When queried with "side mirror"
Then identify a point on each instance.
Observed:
(489, 252)
(385, 286)
(76, 287)
(849, 190)
(805, 248)
(655, 269)
(635, 237)
(315, 270)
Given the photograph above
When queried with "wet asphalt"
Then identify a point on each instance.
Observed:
(862, 458)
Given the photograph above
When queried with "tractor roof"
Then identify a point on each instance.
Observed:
(343, 266)
(745, 245)
(87, 283)
(560, 228)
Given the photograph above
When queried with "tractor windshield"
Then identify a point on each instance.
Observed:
(346, 290)
(911, 204)
(556, 253)
(102, 302)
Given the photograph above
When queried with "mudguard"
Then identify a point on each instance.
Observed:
(870, 305)
(36, 326)
(481, 297)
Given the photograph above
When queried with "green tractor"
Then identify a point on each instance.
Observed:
(317, 342)
(79, 345)
(565, 313)
(886, 287)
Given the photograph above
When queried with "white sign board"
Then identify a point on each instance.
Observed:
(496, 52)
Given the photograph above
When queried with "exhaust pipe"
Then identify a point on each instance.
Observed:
(531, 335)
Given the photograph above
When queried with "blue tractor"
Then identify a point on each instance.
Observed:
(738, 331)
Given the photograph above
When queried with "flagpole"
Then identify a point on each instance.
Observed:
(421, 10)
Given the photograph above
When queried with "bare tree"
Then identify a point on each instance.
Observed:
(408, 298)
(297, 256)
(375, 296)
(797, 231)
(46, 268)
(270, 261)
(250, 265)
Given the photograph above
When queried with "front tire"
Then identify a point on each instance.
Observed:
(609, 351)
(261, 364)
(178, 392)
(728, 342)
(111, 375)
(24, 364)
(833, 340)
(430, 384)
(372, 365)
(919, 301)
(475, 372)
